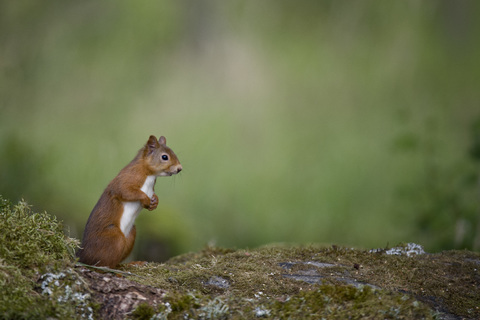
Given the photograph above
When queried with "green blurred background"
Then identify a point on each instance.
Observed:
(347, 122)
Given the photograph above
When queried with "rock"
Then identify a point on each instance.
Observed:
(218, 282)
(313, 276)
(118, 296)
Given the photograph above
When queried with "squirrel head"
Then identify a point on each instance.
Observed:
(160, 159)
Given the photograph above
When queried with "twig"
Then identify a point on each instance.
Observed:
(106, 269)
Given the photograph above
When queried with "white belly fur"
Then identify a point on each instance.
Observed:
(131, 209)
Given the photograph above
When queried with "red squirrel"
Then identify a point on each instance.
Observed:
(110, 232)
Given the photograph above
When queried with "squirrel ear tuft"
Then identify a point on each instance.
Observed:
(152, 142)
(162, 140)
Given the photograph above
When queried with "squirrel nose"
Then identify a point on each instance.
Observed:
(179, 169)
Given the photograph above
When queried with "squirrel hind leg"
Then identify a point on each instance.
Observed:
(108, 249)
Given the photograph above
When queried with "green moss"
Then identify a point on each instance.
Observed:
(348, 302)
(37, 278)
(143, 312)
(267, 282)
(17, 298)
(31, 240)
(327, 301)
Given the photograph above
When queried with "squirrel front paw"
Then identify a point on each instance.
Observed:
(153, 202)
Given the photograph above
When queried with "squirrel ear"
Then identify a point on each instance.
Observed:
(152, 142)
(162, 140)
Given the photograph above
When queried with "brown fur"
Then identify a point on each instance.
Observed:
(104, 243)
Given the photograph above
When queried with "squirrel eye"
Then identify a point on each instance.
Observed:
(164, 157)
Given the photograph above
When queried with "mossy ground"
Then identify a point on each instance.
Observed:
(255, 283)
(38, 279)
(37, 276)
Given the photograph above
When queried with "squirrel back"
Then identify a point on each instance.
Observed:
(110, 232)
